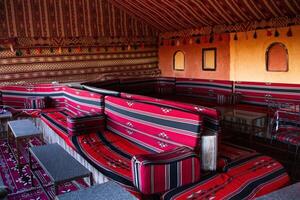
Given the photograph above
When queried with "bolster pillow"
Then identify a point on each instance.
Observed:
(156, 173)
(84, 124)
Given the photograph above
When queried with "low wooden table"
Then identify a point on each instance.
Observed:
(4, 117)
(21, 130)
(105, 191)
(58, 164)
(246, 121)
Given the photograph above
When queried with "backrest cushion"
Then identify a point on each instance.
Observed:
(156, 173)
(16, 95)
(81, 101)
(203, 87)
(138, 85)
(35, 103)
(211, 117)
(165, 85)
(101, 91)
(257, 93)
(155, 127)
(113, 84)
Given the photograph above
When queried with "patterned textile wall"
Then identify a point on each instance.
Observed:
(72, 41)
(67, 18)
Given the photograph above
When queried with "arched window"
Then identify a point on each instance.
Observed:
(277, 58)
(178, 61)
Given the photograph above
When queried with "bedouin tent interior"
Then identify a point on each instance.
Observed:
(149, 99)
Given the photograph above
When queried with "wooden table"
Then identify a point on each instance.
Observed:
(21, 130)
(58, 164)
(4, 117)
(246, 121)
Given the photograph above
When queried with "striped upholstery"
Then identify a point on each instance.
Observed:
(245, 179)
(15, 96)
(138, 85)
(287, 127)
(85, 124)
(35, 103)
(257, 93)
(157, 173)
(82, 107)
(228, 153)
(113, 84)
(155, 127)
(203, 88)
(165, 85)
(101, 91)
(211, 117)
(83, 113)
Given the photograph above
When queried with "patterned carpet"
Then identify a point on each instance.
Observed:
(20, 185)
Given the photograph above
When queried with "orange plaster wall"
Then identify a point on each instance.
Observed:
(193, 60)
(248, 61)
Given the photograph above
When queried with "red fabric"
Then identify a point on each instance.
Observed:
(156, 173)
(228, 153)
(244, 179)
(150, 121)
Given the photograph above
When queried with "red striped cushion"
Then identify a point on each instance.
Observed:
(153, 121)
(211, 116)
(259, 92)
(165, 85)
(138, 85)
(80, 101)
(202, 87)
(245, 179)
(35, 103)
(156, 173)
(85, 124)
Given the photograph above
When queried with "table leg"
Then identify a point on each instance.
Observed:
(18, 155)
(91, 179)
(55, 189)
(31, 168)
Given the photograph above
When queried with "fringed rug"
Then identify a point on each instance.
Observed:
(19, 185)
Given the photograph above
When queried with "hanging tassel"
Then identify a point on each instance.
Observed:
(198, 39)
(69, 50)
(28, 51)
(51, 50)
(220, 37)
(59, 50)
(128, 47)
(235, 37)
(172, 42)
(39, 50)
(78, 49)
(269, 33)
(142, 45)
(19, 52)
(11, 47)
(177, 42)
(162, 42)
(276, 34)
(211, 38)
(190, 41)
(255, 35)
(246, 35)
(289, 32)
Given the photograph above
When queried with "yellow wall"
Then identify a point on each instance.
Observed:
(248, 62)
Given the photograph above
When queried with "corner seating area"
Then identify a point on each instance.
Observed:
(136, 140)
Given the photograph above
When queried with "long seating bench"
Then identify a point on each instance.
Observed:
(133, 132)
